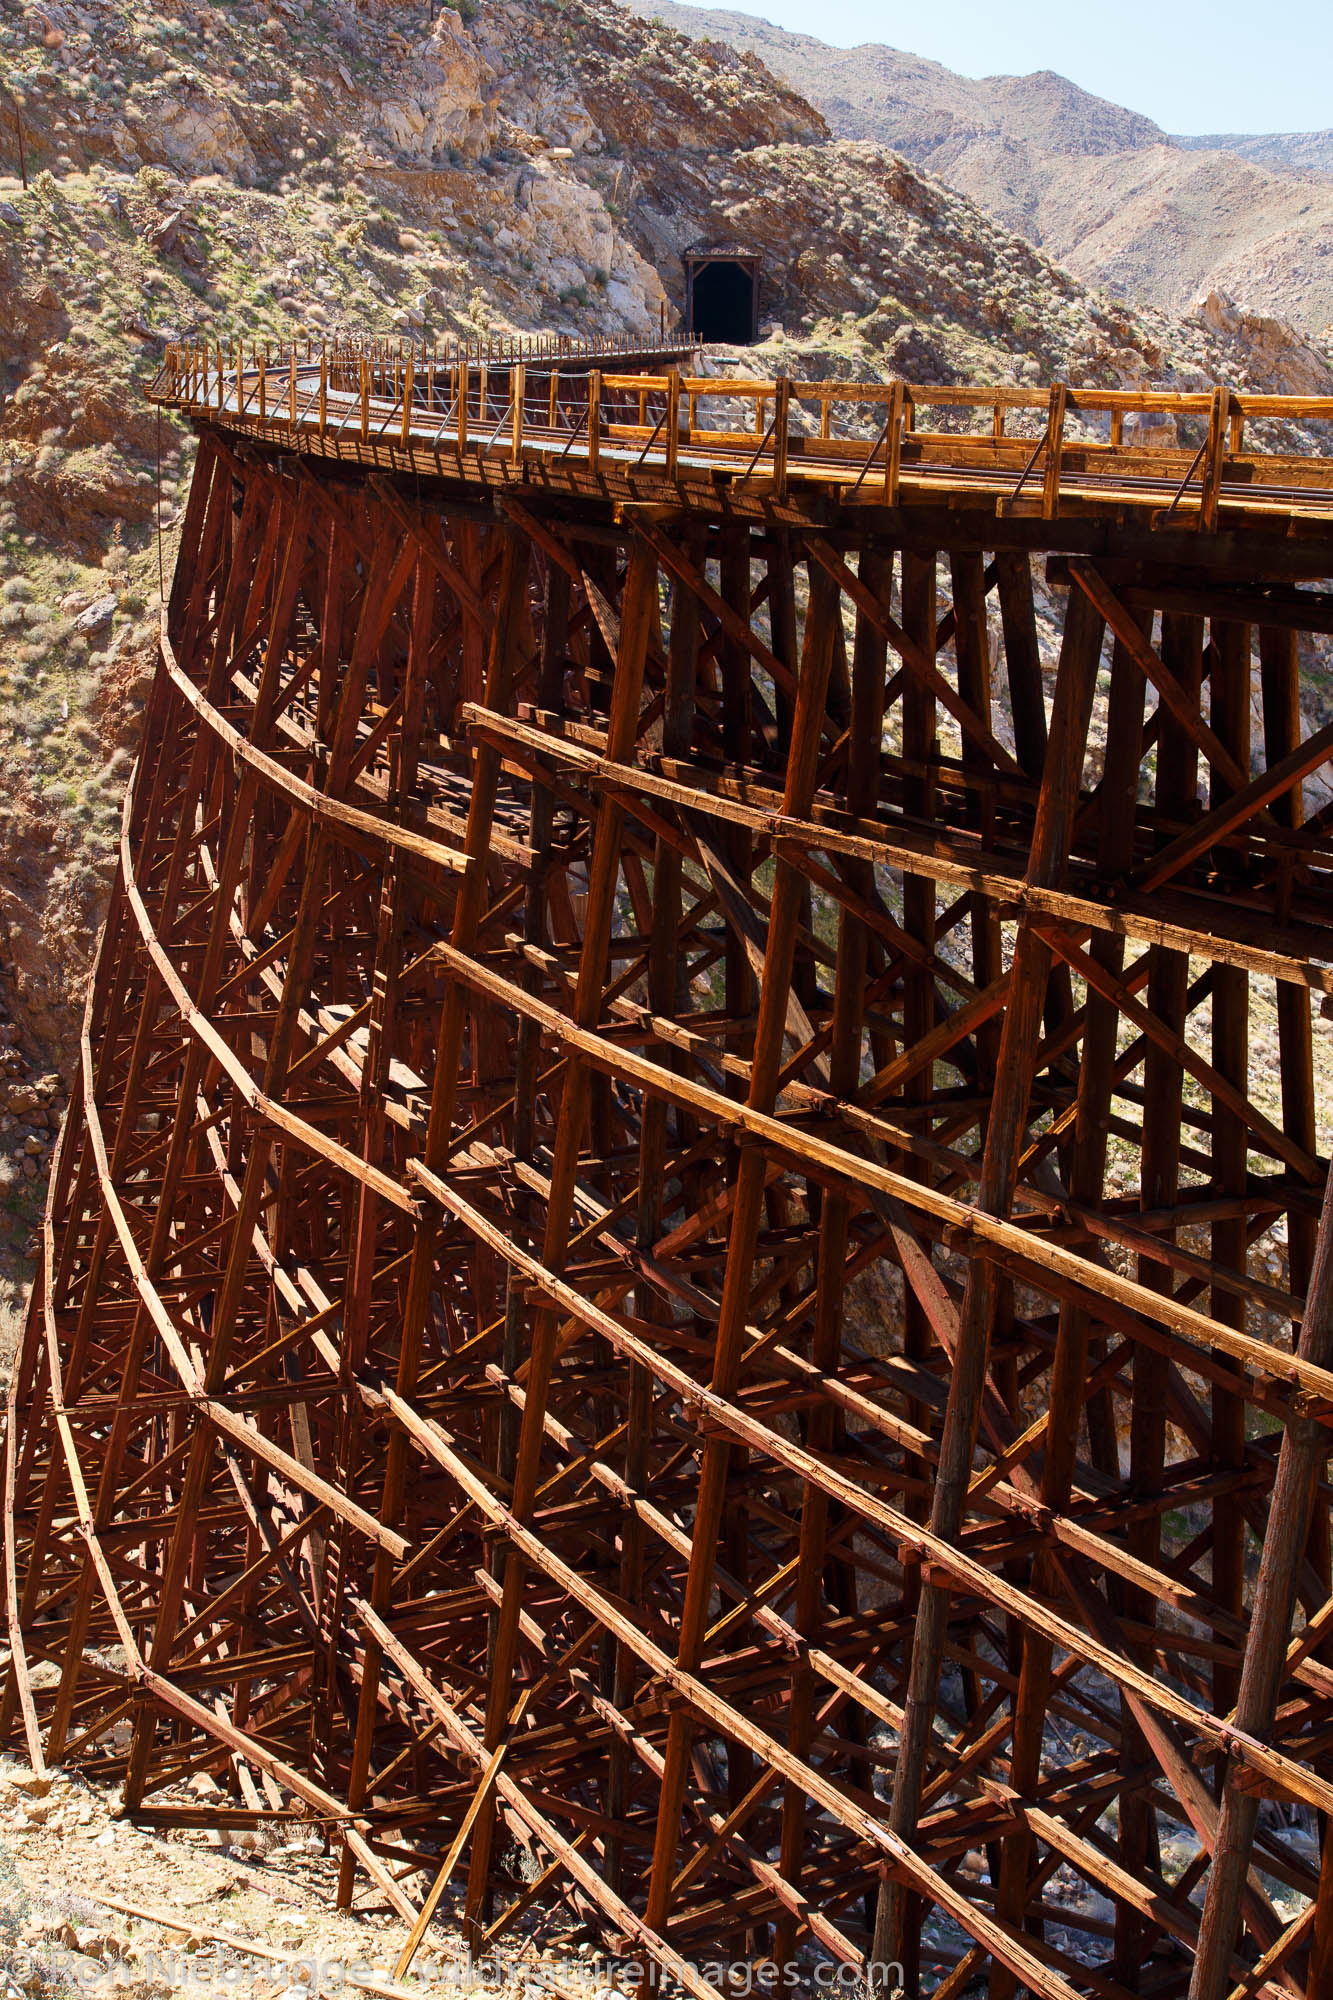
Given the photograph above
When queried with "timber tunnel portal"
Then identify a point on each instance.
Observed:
(722, 295)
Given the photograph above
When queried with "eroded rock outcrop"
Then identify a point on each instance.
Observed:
(439, 105)
(1270, 349)
(197, 134)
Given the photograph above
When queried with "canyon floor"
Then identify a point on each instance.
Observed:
(91, 1905)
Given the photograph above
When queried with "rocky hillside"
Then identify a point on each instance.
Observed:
(1106, 192)
(221, 166)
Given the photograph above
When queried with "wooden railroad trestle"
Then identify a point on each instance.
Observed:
(688, 1237)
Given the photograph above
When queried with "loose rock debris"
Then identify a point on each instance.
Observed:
(91, 1904)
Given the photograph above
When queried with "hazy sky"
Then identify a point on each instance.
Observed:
(1222, 66)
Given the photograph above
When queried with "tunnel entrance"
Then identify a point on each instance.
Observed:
(722, 295)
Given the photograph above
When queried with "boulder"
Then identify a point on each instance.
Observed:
(1155, 430)
(1279, 360)
(97, 616)
(29, 1784)
(569, 221)
(569, 230)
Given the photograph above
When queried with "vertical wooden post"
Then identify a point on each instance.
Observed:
(918, 722)
(637, 617)
(505, 644)
(850, 985)
(594, 417)
(893, 444)
(1077, 1341)
(1214, 462)
(1009, 1109)
(1055, 436)
(781, 435)
(1301, 1460)
(673, 423)
(1229, 709)
(747, 1213)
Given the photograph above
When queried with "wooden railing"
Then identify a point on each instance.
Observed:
(590, 401)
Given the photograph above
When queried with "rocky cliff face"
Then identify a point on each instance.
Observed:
(313, 165)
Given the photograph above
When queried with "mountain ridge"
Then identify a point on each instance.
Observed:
(1310, 152)
(1107, 192)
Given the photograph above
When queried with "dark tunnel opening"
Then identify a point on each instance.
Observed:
(724, 301)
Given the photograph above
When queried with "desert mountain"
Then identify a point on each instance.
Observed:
(1106, 192)
(1310, 151)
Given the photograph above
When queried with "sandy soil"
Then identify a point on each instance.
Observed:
(80, 1887)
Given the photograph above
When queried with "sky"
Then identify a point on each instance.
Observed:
(1194, 67)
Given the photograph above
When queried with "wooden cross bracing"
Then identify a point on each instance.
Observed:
(689, 1234)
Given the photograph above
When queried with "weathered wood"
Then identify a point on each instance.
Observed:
(1304, 1451)
(652, 1257)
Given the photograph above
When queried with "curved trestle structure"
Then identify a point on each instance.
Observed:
(688, 1238)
